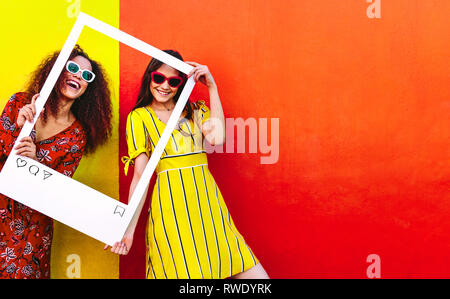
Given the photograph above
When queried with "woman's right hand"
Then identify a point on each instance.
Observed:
(26, 148)
(27, 112)
(122, 247)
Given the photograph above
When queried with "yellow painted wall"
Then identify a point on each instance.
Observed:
(30, 30)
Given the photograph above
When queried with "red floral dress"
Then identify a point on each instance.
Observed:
(25, 234)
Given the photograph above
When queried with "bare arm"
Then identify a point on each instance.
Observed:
(139, 166)
(214, 128)
(124, 246)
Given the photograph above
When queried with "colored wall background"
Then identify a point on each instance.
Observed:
(363, 106)
(364, 128)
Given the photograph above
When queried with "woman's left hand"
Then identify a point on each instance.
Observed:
(26, 148)
(201, 73)
(123, 247)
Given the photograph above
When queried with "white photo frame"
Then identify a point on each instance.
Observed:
(64, 199)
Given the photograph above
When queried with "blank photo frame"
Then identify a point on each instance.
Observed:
(64, 199)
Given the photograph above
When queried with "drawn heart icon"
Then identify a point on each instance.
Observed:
(21, 163)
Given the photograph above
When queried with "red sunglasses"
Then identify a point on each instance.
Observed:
(159, 78)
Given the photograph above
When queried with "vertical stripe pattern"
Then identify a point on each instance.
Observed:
(190, 233)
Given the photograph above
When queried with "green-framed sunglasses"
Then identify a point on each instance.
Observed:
(74, 68)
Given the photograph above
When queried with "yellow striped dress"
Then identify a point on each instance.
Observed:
(190, 233)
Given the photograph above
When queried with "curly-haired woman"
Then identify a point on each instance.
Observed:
(76, 119)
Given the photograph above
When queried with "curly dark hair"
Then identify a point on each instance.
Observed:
(145, 96)
(93, 109)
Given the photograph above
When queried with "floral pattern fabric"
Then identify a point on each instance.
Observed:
(25, 234)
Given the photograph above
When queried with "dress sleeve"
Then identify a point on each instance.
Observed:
(69, 163)
(137, 139)
(9, 131)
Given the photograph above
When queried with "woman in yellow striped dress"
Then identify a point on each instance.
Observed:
(190, 233)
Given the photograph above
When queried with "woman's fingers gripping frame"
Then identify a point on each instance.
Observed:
(26, 148)
(195, 69)
(29, 111)
(118, 248)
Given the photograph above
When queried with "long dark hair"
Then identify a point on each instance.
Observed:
(145, 96)
(93, 109)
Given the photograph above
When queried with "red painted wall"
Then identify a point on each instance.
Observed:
(363, 106)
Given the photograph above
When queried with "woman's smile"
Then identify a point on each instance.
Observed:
(73, 84)
(163, 92)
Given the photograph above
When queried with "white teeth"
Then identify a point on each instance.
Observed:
(163, 93)
(73, 84)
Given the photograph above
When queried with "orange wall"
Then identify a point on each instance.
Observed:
(364, 131)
